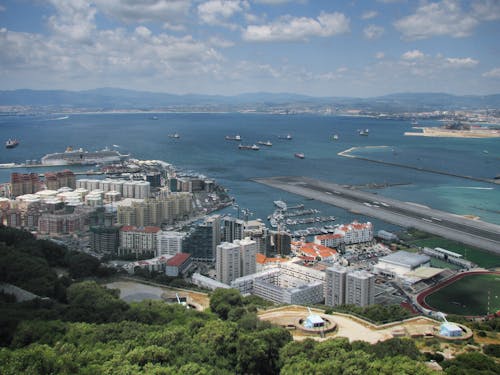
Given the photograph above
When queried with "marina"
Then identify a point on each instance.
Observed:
(477, 233)
(291, 219)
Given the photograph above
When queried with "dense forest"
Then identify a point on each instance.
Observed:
(84, 328)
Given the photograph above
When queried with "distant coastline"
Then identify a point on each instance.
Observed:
(453, 133)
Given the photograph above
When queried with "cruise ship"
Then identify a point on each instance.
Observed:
(83, 157)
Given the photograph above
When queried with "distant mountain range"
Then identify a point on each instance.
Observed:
(120, 99)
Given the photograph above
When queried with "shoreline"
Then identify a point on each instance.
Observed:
(451, 135)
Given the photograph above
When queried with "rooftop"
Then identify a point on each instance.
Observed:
(178, 259)
(131, 228)
(405, 258)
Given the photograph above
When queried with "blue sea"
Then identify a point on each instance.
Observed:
(202, 148)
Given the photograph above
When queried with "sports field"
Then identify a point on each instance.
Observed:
(468, 296)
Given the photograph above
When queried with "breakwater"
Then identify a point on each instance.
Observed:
(347, 154)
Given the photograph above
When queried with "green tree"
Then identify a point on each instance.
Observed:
(90, 302)
(222, 301)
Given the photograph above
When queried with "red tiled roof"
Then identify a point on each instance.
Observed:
(178, 259)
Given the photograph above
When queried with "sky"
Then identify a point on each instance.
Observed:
(356, 48)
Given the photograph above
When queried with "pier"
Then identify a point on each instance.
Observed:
(476, 233)
(347, 154)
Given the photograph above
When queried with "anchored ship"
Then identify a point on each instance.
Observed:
(11, 143)
(247, 147)
(266, 143)
(288, 137)
(364, 132)
(237, 137)
(83, 157)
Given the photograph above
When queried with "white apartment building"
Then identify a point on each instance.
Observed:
(347, 234)
(335, 285)
(344, 287)
(169, 243)
(248, 252)
(360, 288)
(227, 263)
(138, 240)
(286, 283)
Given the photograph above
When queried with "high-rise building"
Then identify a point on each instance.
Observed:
(139, 241)
(279, 243)
(203, 240)
(24, 183)
(62, 222)
(248, 252)
(232, 229)
(360, 288)
(169, 209)
(335, 285)
(227, 264)
(257, 231)
(104, 239)
(169, 243)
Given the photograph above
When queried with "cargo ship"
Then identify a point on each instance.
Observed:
(288, 137)
(11, 143)
(247, 147)
(83, 157)
(266, 143)
(237, 137)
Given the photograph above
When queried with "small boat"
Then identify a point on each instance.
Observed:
(288, 137)
(247, 147)
(335, 137)
(11, 143)
(237, 137)
(175, 135)
(364, 132)
(267, 143)
(414, 122)
(299, 155)
(280, 204)
(154, 117)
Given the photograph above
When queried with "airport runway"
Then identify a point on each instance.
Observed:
(475, 233)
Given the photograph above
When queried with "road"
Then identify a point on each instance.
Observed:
(475, 233)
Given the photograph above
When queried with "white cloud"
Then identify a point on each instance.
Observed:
(379, 55)
(493, 73)
(274, 2)
(143, 32)
(73, 20)
(133, 11)
(288, 28)
(441, 18)
(219, 42)
(413, 55)
(139, 58)
(373, 31)
(488, 10)
(173, 26)
(465, 62)
(217, 12)
(369, 15)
